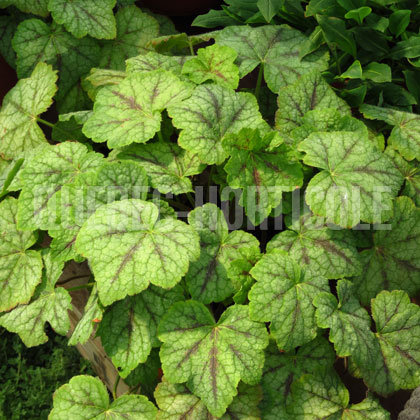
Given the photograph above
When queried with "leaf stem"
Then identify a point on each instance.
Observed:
(191, 199)
(81, 276)
(259, 81)
(191, 47)
(54, 126)
(160, 137)
(83, 286)
(114, 391)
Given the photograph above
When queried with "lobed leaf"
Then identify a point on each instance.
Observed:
(128, 248)
(21, 106)
(212, 357)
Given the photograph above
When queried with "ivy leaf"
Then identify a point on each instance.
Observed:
(330, 253)
(38, 7)
(92, 313)
(155, 61)
(208, 279)
(216, 63)
(85, 17)
(398, 332)
(281, 370)
(167, 165)
(20, 269)
(268, 8)
(208, 115)
(283, 295)
(405, 136)
(369, 408)
(128, 328)
(44, 175)
(133, 249)
(85, 397)
(176, 402)
(212, 357)
(21, 107)
(276, 48)
(49, 304)
(310, 92)
(131, 111)
(134, 30)
(348, 322)
(356, 182)
(35, 41)
(262, 172)
(393, 262)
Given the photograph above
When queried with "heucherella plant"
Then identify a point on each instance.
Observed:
(245, 249)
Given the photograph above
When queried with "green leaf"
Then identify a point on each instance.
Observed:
(308, 93)
(146, 374)
(356, 181)
(208, 115)
(129, 327)
(44, 175)
(405, 136)
(134, 30)
(335, 33)
(133, 249)
(393, 262)
(330, 253)
(131, 111)
(92, 313)
(409, 48)
(155, 61)
(317, 397)
(377, 72)
(8, 25)
(348, 322)
(213, 19)
(168, 166)
(262, 172)
(369, 408)
(20, 269)
(212, 357)
(81, 56)
(269, 8)
(208, 277)
(38, 7)
(49, 304)
(85, 397)
(358, 14)
(277, 48)
(9, 170)
(35, 41)
(69, 127)
(325, 120)
(410, 172)
(398, 21)
(283, 295)
(216, 63)
(98, 78)
(176, 402)
(21, 107)
(85, 17)
(398, 332)
(239, 273)
(281, 370)
(353, 72)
